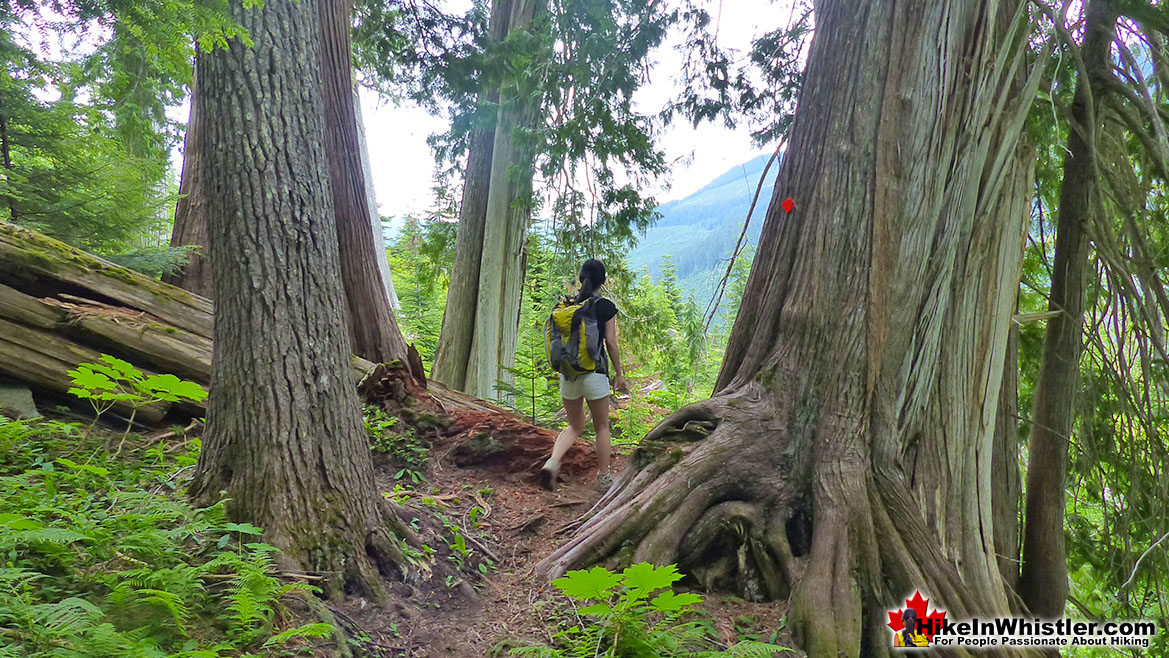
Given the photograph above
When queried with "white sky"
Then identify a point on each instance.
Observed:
(403, 165)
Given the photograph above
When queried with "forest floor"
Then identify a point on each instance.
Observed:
(511, 521)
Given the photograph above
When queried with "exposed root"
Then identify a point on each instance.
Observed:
(742, 506)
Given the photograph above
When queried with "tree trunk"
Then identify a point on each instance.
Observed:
(190, 225)
(497, 303)
(479, 323)
(375, 217)
(846, 459)
(1006, 492)
(373, 330)
(1044, 579)
(284, 438)
(6, 157)
(453, 352)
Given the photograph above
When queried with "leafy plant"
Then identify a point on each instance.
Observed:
(113, 380)
(635, 613)
(404, 449)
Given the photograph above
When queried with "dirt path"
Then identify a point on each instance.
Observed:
(509, 523)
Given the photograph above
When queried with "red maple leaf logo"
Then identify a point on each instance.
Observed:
(932, 622)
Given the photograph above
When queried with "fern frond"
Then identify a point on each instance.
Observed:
(70, 616)
(170, 601)
(308, 630)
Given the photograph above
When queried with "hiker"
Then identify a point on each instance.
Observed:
(910, 636)
(585, 370)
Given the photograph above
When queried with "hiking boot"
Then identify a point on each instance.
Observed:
(548, 475)
(604, 481)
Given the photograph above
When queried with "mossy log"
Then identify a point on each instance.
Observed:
(61, 307)
(33, 263)
(42, 359)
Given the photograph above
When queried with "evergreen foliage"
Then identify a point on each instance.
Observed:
(84, 136)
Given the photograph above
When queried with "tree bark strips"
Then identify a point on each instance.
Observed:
(479, 331)
(847, 457)
(284, 437)
(190, 225)
(373, 331)
(501, 272)
(1044, 580)
(375, 219)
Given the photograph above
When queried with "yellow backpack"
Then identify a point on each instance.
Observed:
(572, 338)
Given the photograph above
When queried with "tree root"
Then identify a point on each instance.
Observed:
(741, 506)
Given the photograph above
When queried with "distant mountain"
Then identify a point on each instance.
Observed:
(700, 230)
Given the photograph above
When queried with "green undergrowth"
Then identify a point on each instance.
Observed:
(635, 614)
(103, 557)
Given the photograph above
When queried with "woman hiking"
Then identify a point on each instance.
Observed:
(592, 387)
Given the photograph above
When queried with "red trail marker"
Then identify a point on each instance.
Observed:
(788, 205)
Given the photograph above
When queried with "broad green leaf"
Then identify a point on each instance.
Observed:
(592, 584)
(671, 602)
(87, 379)
(245, 528)
(123, 368)
(80, 393)
(647, 577)
(170, 388)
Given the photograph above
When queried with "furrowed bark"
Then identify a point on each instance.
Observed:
(291, 453)
(1043, 582)
(846, 459)
(373, 330)
(190, 225)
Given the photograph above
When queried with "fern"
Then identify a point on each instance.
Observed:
(98, 563)
(308, 630)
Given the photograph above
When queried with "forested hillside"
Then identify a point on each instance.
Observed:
(698, 232)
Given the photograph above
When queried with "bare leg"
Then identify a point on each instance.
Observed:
(600, 413)
(576, 421)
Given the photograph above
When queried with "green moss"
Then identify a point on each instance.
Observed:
(45, 253)
(32, 259)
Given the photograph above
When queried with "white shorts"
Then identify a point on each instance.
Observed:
(590, 386)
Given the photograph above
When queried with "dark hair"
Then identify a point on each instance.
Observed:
(909, 617)
(592, 276)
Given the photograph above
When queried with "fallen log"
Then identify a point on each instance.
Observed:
(42, 360)
(30, 262)
(61, 307)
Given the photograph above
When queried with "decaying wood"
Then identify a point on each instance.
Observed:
(61, 307)
(42, 359)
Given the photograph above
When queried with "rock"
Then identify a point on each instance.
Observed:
(16, 401)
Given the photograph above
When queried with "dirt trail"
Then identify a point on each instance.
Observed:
(483, 480)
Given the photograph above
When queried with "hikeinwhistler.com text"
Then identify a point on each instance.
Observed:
(1018, 632)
